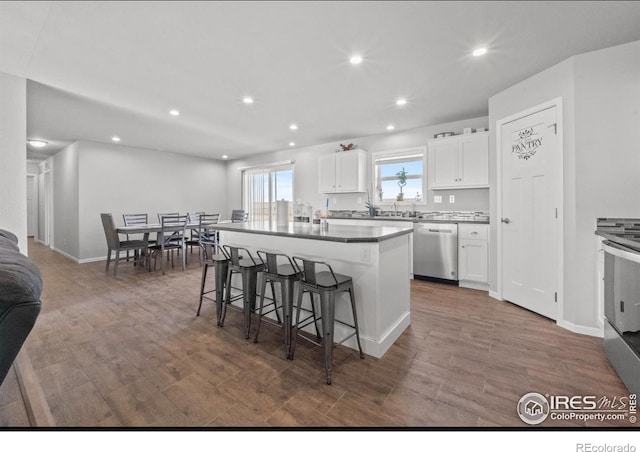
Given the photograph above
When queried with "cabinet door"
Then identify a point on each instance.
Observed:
(348, 171)
(472, 260)
(473, 160)
(327, 173)
(443, 163)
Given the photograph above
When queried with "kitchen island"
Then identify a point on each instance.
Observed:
(377, 258)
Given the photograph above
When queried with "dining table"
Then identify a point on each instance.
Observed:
(148, 228)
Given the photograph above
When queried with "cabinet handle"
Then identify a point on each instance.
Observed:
(462, 246)
(474, 233)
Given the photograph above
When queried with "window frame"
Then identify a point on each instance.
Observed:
(398, 154)
(270, 169)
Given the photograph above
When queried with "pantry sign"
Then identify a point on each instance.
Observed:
(526, 142)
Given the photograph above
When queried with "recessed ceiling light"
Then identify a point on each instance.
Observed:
(37, 143)
(356, 59)
(292, 143)
(247, 100)
(479, 52)
(174, 112)
(225, 156)
(293, 127)
(116, 139)
(390, 127)
(401, 102)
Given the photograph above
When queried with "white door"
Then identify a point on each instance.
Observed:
(32, 214)
(531, 189)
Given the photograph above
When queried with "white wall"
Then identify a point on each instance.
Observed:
(601, 168)
(607, 171)
(306, 169)
(65, 227)
(119, 179)
(13, 156)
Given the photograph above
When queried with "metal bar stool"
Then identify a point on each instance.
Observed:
(241, 261)
(221, 267)
(327, 285)
(278, 268)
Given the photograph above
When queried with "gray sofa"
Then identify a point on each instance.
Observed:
(20, 289)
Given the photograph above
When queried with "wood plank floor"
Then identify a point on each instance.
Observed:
(129, 351)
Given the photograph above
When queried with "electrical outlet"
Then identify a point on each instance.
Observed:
(437, 199)
(452, 198)
(365, 254)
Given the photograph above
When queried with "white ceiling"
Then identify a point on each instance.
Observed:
(99, 69)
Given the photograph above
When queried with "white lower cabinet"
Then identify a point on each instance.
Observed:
(473, 255)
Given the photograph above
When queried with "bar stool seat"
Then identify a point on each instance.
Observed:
(327, 284)
(279, 268)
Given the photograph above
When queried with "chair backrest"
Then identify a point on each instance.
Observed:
(309, 272)
(239, 216)
(113, 240)
(206, 220)
(160, 215)
(194, 217)
(135, 218)
(235, 253)
(272, 260)
(168, 224)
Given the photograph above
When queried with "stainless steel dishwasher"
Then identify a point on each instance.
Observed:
(435, 250)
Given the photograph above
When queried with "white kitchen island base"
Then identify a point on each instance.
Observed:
(379, 268)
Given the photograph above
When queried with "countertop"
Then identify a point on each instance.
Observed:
(335, 233)
(624, 231)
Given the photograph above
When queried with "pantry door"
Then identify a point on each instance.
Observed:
(531, 189)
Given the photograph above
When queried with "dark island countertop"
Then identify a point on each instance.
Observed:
(624, 231)
(335, 233)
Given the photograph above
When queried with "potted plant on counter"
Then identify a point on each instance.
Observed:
(402, 181)
(369, 205)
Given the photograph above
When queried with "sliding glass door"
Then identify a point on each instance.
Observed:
(262, 187)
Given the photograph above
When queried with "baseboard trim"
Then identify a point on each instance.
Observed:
(34, 400)
(581, 329)
(474, 285)
(68, 256)
(79, 261)
(92, 259)
(496, 295)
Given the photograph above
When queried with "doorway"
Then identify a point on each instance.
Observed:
(32, 205)
(530, 209)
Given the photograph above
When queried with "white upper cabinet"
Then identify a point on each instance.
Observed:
(342, 172)
(461, 161)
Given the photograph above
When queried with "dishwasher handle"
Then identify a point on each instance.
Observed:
(446, 231)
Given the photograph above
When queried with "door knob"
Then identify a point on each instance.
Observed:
(506, 220)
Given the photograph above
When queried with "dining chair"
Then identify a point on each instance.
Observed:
(131, 219)
(239, 216)
(207, 238)
(193, 218)
(170, 238)
(115, 244)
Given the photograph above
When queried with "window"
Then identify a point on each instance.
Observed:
(386, 166)
(263, 186)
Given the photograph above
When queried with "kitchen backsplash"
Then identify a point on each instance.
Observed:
(464, 200)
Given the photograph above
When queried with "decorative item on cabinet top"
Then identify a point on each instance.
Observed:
(347, 147)
(443, 134)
